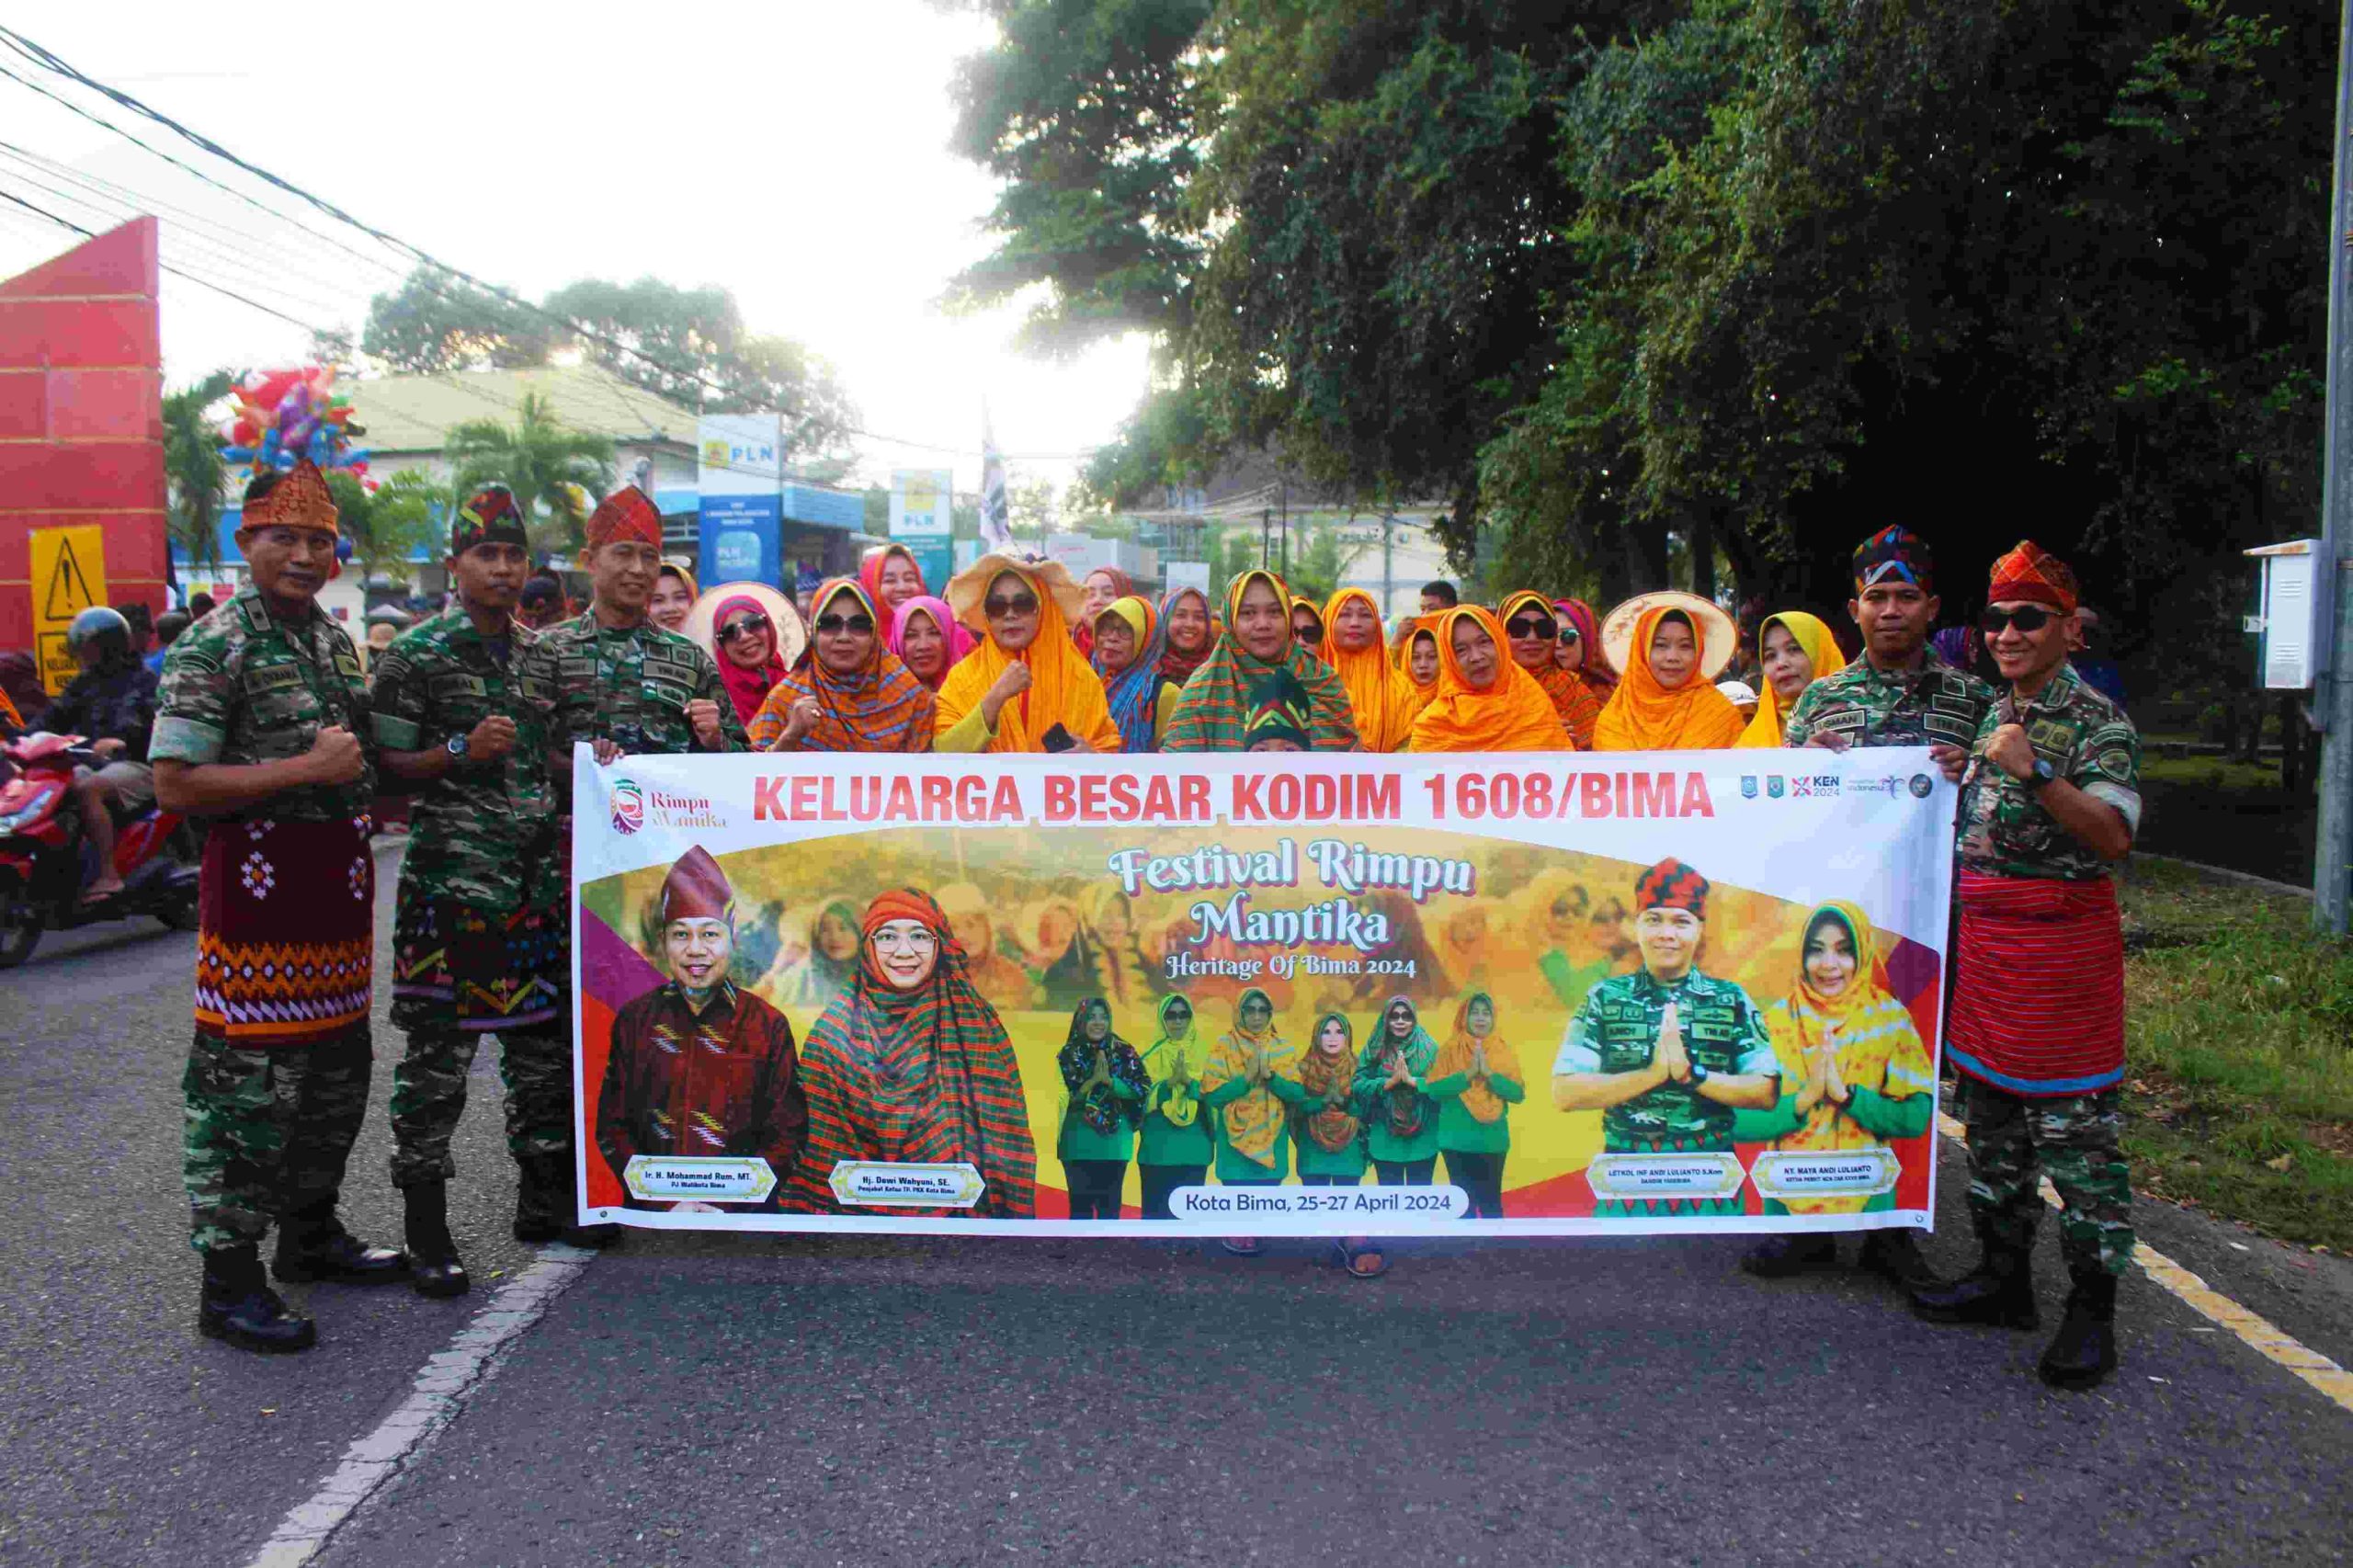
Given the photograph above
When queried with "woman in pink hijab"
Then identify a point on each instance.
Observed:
(928, 638)
(746, 653)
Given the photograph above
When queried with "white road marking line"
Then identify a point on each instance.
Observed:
(2252, 1330)
(448, 1380)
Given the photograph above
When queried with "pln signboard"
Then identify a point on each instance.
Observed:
(740, 471)
(923, 517)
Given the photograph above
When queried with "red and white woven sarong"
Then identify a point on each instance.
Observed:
(2038, 1001)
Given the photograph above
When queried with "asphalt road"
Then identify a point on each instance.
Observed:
(859, 1400)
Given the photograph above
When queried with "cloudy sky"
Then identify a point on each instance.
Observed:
(794, 151)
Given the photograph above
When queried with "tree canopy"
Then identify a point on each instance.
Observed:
(1690, 279)
(688, 344)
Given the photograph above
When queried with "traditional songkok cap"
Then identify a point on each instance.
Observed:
(299, 500)
(489, 516)
(696, 889)
(2031, 574)
(1671, 884)
(626, 516)
(1895, 556)
(1278, 710)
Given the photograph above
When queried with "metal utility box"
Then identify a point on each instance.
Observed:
(2290, 617)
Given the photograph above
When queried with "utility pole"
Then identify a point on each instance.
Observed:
(1388, 560)
(1266, 536)
(2331, 710)
(1286, 504)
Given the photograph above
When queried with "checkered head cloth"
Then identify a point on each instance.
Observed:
(300, 500)
(1671, 884)
(626, 516)
(2031, 574)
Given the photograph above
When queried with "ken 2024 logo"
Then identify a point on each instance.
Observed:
(1775, 787)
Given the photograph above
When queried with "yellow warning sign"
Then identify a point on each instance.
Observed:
(69, 575)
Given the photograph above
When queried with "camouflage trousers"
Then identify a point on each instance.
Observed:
(268, 1132)
(2076, 1141)
(429, 1097)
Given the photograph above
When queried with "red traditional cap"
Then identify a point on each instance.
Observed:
(626, 516)
(905, 903)
(2031, 575)
(1671, 884)
(300, 500)
(696, 889)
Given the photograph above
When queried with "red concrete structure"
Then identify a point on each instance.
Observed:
(82, 417)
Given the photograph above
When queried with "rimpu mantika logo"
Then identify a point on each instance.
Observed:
(629, 807)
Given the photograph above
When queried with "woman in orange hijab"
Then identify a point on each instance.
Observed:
(1484, 701)
(1026, 687)
(1662, 703)
(1417, 659)
(1383, 698)
(1535, 636)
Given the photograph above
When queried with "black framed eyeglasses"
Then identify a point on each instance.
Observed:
(832, 625)
(2029, 619)
(1542, 631)
(1019, 604)
(748, 626)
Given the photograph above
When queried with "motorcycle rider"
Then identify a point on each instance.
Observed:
(112, 703)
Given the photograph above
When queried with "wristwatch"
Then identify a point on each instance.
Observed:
(1699, 1073)
(2043, 774)
(457, 746)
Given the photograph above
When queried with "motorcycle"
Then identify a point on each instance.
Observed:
(46, 859)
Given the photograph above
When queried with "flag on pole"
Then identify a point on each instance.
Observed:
(996, 521)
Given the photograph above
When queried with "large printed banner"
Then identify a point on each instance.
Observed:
(1260, 995)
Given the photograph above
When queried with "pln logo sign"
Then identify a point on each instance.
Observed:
(629, 807)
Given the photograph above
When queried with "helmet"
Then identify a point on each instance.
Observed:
(99, 627)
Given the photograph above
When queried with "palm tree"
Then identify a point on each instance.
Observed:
(539, 457)
(386, 524)
(195, 473)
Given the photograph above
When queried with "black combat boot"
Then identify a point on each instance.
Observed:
(239, 1306)
(1998, 1292)
(544, 1211)
(1896, 1256)
(434, 1266)
(313, 1245)
(1785, 1257)
(2084, 1350)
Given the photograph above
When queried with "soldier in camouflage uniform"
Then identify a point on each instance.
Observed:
(2050, 802)
(1899, 693)
(1667, 1053)
(626, 685)
(461, 706)
(260, 726)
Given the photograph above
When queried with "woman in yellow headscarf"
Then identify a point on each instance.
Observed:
(1662, 702)
(1532, 632)
(1175, 1146)
(1854, 1076)
(1484, 701)
(1251, 1083)
(1383, 698)
(1476, 1083)
(1417, 659)
(1025, 687)
(1794, 650)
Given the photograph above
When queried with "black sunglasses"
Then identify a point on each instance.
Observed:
(2029, 619)
(1307, 634)
(744, 628)
(1544, 630)
(1019, 604)
(860, 623)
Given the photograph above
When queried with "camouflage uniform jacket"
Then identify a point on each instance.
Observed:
(1935, 704)
(630, 686)
(481, 833)
(242, 687)
(1616, 1031)
(2088, 740)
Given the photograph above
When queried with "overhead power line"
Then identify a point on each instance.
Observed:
(175, 271)
(50, 61)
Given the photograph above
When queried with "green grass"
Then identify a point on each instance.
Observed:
(2211, 773)
(2240, 1054)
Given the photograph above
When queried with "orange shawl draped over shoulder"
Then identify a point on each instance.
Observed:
(1511, 714)
(1384, 697)
(1643, 715)
(1064, 688)
(1572, 699)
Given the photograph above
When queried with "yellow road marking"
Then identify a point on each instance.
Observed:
(2255, 1330)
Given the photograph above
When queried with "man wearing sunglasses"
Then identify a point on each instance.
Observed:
(2050, 802)
(1899, 693)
